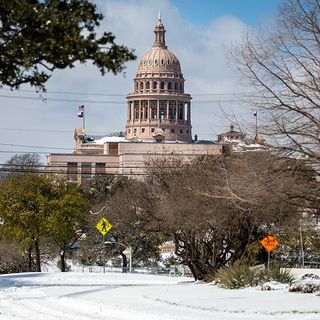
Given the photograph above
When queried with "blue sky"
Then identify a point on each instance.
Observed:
(197, 31)
(252, 12)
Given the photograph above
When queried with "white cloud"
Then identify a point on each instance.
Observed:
(201, 51)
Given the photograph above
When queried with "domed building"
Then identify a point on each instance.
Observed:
(158, 124)
(159, 110)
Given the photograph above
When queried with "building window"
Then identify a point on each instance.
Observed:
(146, 110)
(85, 171)
(172, 130)
(152, 129)
(154, 85)
(143, 130)
(161, 85)
(169, 85)
(113, 148)
(72, 169)
(134, 130)
(148, 85)
(129, 130)
(176, 86)
(100, 167)
(181, 131)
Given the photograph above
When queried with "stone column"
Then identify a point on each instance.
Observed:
(189, 113)
(149, 111)
(128, 111)
(177, 111)
(158, 112)
(132, 110)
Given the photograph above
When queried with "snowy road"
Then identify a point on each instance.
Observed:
(116, 296)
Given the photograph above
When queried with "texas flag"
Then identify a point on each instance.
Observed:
(81, 112)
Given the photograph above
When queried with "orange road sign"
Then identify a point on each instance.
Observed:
(269, 243)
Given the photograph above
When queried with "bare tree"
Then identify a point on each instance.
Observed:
(21, 164)
(282, 66)
(215, 207)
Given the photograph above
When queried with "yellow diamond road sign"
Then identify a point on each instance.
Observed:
(104, 226)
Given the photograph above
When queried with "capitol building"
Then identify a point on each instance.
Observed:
(158, 123)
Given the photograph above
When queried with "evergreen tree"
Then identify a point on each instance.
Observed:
(38, 37)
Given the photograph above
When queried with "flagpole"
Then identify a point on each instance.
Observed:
(256, 114)
(83, 122)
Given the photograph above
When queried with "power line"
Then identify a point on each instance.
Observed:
(21, 152)
(27, 146)
(36, 130)
(125, 94)
(59, 99)
(47, 130)
(72, 173)
(110, 102)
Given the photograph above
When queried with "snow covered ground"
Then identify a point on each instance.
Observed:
(116, 296)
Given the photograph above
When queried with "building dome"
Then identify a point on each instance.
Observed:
(159, 60)
(159, 110)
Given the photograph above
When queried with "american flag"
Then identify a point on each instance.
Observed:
(81, 112)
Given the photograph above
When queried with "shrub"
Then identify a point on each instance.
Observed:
(237, 276)
(241, 275)
(275, 273)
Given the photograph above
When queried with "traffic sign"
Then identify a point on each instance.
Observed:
(103, 226)
(269, 243)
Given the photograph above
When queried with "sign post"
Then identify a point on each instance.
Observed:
(269, 243)
(104, 227)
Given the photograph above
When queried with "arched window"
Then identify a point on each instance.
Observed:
(181, 87)
(169, 85)
(176, 86)
(161, 85)
(154, 85)
(148, 85)
(141, 85)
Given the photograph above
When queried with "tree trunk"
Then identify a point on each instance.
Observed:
(38, 259)
(62, 261)
(124, 263)
(30, 259)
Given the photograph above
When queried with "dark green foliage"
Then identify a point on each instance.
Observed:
(275, 273)
(240, 275)
(37, 37)
(237, 276)
(38, 211)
